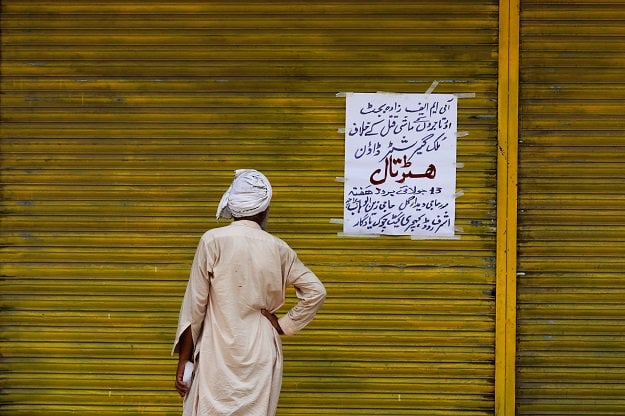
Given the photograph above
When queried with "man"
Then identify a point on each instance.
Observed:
(227, 326)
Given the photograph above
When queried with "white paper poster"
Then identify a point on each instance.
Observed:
(400, 164)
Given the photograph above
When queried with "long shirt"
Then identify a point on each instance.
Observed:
(238, 270)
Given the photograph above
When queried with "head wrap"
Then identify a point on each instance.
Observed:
(248, 195)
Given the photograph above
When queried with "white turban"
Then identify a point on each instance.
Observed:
(248, 195)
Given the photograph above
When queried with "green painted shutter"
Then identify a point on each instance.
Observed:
(571, 356)
(122, 123)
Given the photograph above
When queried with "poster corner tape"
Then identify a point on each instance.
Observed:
(465, 95)
(432, 87)
(344, 235)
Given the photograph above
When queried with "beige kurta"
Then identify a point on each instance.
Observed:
(238, 270)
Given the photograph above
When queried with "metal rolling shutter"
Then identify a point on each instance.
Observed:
(122, 124)
(571, 356)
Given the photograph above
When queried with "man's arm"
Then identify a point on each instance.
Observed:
(185, 353)
(310, 293)
(192, 312)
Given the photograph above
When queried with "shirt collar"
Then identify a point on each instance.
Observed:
(246, 223)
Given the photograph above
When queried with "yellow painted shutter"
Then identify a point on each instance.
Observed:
(571, 310)
(122, 124)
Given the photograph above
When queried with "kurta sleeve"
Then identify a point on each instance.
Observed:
(310, 294)
(195, 299)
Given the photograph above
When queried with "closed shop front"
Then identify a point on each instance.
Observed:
(122, 124)
(571, 286)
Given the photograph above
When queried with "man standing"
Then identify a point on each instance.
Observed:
(227, 327)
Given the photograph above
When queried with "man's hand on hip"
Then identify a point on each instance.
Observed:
(273, 319)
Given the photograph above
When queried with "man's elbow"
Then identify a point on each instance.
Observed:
(321, 294)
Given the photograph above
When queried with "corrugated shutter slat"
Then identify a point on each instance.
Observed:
(570, 350)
